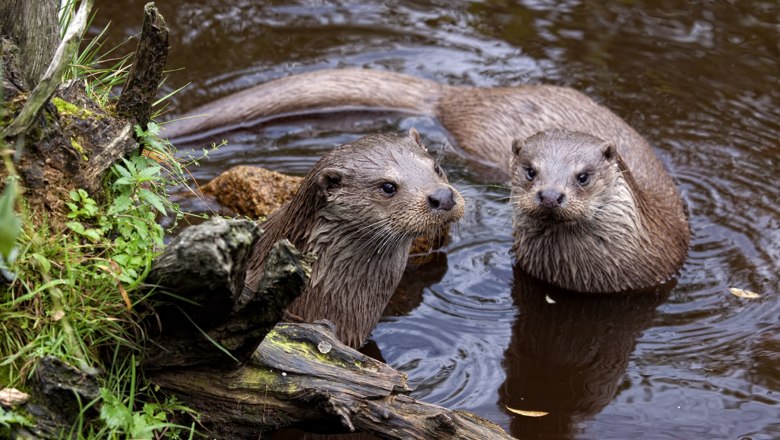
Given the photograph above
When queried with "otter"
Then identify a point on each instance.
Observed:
(581, 220)
(484, 122)
(358, 210)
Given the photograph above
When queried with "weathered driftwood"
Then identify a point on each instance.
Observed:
(32, 24)
(205, 267)
(300, 375)
(52, 78)
(303, 376)
(140, 89)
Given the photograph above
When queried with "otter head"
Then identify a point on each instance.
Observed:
(387, 186)
(561, 176)
(578, 214)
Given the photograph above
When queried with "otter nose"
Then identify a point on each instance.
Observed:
(551, 198)
(441, 199)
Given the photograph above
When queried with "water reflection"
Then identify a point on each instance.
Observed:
(568, 353)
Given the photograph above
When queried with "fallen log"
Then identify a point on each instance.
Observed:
(300, 375)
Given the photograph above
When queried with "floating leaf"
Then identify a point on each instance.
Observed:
(742, 293)
(528, 413)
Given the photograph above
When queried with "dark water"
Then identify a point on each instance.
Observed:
(701, 80)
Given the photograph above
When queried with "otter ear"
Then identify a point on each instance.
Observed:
(415, 135)
(608, 151)
(329, 179)
(517, 145)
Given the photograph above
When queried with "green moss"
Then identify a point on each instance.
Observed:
(78, 147)
(66, 108)
(251, 379)
(9, 110)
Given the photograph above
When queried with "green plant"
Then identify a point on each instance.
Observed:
(74, 294)
(72, 287)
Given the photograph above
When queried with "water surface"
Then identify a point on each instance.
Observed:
(701, 80)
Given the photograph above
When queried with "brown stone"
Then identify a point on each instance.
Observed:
(252, 191)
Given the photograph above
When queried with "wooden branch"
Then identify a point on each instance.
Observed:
(144, 79)
(302, 375)
(206, 266)
(32, 26)
(53, 76)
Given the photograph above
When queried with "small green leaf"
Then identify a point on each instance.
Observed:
(10, 225)
(113, 412)
(123, 171)
(121, 259)
(124, 181)
(153, 128)
(93, 234)
(150, 173)
(153, 200)
(121, 204)
(76, 227)
(43, 263)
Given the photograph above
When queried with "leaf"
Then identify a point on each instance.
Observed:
(742, 293)
(150, 173)
(153, 128)
(121, 259)
(43, 263)
(121, 204)
(10, 225)
(76, 227)
(124, 181)
(527, 413)
(113, 412)
(123, 171)
(153, 199)
(93, 234)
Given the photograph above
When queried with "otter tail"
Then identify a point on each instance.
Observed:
(324, 89)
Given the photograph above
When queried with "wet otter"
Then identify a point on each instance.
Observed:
(358, 210)
(581, 220)
(485, 122)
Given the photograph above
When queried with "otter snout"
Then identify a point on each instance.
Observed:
(551, 198)
(442, 199)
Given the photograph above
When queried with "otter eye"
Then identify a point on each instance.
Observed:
(388, 188)
(437, 169)
(530, 173)
(583, 178)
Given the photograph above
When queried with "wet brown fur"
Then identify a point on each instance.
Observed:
(484, 122)
(608, 235)
(361, 236)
